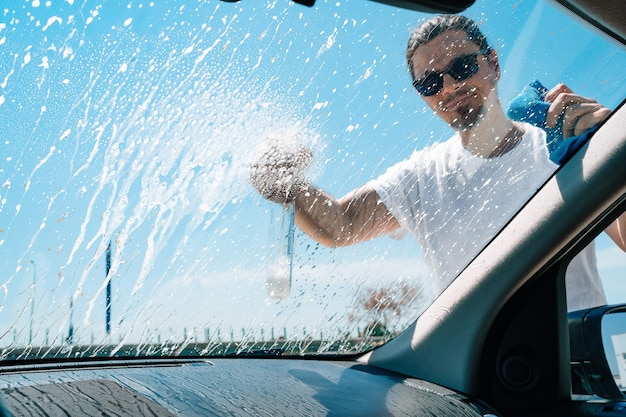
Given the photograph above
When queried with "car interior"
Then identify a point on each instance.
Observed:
(523, 356)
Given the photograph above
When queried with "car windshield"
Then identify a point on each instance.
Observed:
(128, 222)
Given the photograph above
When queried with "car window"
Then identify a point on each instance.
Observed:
(606, 258)
(128, 223)
(611, 265)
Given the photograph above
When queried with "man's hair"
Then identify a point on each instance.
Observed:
(437, 25)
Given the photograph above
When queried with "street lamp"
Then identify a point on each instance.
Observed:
(32, 304)
(107, 313)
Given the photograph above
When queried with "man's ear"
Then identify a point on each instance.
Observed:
(492, 59)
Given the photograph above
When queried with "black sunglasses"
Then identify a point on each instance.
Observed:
(460, 69)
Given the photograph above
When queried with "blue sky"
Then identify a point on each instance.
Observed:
(135, 123)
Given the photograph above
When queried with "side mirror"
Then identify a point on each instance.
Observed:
(598, 351)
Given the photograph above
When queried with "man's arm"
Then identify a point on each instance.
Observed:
(617, 231)
(358, 216)
(278, 175)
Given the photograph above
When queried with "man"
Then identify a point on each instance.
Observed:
(453, 196)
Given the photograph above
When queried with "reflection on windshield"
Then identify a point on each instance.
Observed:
(126, 214)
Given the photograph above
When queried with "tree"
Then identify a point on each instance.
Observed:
(383, 308)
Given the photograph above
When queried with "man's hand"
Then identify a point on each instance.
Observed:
(579, 113)
(278, 173)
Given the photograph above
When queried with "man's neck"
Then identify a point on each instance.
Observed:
(492, 135)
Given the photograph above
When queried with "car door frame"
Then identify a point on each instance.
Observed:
(518, 276)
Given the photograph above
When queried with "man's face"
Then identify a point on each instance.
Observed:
(459, 103)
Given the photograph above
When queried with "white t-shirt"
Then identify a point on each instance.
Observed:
(454, 202)
(583, 284)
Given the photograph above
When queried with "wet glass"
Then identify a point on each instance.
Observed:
(280, 263)
(133, 126)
